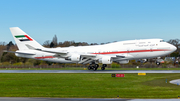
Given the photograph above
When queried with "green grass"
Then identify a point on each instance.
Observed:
(88, 85)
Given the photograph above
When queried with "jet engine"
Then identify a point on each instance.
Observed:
(75, 57)
(124, 61)
(105, 60)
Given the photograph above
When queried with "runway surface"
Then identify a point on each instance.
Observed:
(78, 99)
(89, 71)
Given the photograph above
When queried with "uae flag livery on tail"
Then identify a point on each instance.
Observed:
(23, 38)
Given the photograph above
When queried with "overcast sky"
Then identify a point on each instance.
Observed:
(92, 21)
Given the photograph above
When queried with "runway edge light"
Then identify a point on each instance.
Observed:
(141, 73)
(113, 75)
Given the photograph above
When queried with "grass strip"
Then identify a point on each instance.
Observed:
(88, 85)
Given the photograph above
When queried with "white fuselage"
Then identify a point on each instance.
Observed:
(132, 49)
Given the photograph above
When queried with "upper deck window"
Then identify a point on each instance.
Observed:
(128, 43)
(142, 42)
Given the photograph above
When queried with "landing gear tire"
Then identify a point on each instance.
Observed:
(89, 67)
(94, 68)
(102, 68)
(104, 65)
(96, 65)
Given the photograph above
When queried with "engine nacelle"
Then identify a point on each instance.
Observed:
(105, 60)
(75, 58)
(124, 61)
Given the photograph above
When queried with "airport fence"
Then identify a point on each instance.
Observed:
(113, 65)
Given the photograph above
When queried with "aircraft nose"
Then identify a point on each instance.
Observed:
(173, 48)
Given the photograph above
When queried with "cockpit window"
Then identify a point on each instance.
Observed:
(161, 40)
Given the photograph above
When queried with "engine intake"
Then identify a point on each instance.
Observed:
(75, 58)
(105, 60)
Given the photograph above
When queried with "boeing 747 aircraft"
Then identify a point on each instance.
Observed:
(120, 52)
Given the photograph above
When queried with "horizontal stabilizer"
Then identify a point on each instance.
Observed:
(21, 52)
(50, 51)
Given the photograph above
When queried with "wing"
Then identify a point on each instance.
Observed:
(84, 58)
(87, 58)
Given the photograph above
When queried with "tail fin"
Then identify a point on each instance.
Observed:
(24, 41)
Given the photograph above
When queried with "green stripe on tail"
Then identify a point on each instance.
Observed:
(19, 36)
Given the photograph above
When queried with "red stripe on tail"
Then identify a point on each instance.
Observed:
(28, 37)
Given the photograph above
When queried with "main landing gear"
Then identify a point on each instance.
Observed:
(103, 67)
(95, 67)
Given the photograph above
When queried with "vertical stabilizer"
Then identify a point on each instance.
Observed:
(23, 40)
